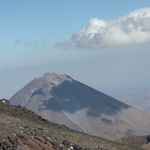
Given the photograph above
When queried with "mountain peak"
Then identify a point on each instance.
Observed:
(63, 100)
(57, 79)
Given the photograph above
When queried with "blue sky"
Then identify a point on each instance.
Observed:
(105, 44)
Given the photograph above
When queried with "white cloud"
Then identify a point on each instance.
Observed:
(64, 45)
(18, 41)
(131, 29)
(30, 43)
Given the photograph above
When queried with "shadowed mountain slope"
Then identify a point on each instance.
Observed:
(63, 100)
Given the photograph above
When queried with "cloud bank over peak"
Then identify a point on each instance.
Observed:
(132, 29)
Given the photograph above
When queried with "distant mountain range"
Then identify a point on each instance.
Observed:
(63, 100)
(136, 97)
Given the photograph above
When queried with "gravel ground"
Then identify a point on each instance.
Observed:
(21, 129)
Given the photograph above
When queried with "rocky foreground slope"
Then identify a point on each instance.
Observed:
(21, 129)
(63, 100)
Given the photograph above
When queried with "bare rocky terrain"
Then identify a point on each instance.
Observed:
(22, 129)
(142, 141)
